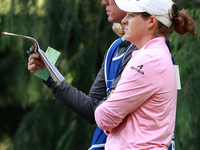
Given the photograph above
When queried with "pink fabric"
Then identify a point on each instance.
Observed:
(140, 113)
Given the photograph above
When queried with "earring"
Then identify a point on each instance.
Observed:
(149, 26)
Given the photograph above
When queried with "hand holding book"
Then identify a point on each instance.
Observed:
(49, 64)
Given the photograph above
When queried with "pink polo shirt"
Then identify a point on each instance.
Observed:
(141, 112)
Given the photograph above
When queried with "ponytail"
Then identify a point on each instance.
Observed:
(183, 23)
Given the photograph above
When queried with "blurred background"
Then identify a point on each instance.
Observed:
(31, 118)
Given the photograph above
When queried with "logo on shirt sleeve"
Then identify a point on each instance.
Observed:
(138, 69)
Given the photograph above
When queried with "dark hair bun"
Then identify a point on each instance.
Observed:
(183, 23)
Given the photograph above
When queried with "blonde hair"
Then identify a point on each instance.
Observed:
(118, 29)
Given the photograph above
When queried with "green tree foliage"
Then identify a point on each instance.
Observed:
(187, 54)
(31, 118)
(78, 30)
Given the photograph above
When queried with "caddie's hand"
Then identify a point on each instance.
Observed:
(35, 62)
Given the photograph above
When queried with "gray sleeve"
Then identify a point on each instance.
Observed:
(80, 103)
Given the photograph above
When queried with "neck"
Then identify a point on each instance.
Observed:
(142, 42)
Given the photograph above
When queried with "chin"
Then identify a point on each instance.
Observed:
(110, 19)
(113, 20)
(126, 37)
